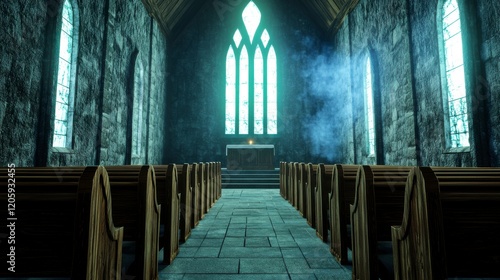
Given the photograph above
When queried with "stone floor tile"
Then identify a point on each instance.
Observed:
(193, 242)
(203, 265)
(291, 253)
(297, 265)
(262, 265)
(279, 244)
(234, 242)
(301, 276)
(252, 232)
(257, 242)
(212, 242)
(207, 252)
(235, 277)
(250, 252)
(322, 263)
(235, 232)
(187, 252)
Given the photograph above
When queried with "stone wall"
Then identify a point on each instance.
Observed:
(402, 39)
(109, 33)
(320, 78)
(489, 24)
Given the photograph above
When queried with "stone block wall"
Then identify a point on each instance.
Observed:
(109, 33)
(402, 37)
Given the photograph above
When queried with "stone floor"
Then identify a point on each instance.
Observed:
(254, 234)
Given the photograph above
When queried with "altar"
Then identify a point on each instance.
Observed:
(250, 157)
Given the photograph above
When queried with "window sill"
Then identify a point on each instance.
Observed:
(62, 150)
(457, 150)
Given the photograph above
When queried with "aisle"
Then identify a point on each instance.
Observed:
(254, 234)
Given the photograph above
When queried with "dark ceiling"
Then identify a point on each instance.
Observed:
(173, 15)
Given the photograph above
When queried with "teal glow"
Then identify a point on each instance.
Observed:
(455, 75)
(230, 92)
(258, 93)
(370, 123)
(251, 105)
(272, 93)
(243, 104)
(62, 111)
(237, 38)
(251, 19)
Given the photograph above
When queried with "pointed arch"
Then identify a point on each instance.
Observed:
(137, 112)
(453, 74)
(369, 107)
(66, 72)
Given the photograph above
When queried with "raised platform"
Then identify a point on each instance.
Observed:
(250, 179)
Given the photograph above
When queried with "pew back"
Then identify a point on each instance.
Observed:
(311, 174)
(135, 207)
(378, 204)
(341, 196)
(450, 225)
(323, 187)
(184, 188)
(63, 223)
(167, 182)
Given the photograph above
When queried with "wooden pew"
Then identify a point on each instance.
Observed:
(301, 188)
(291, 179)
(135, 207)
(286, 180)
(212, 184)
(203, 189)
(450, 226)
(168, 195)
(378, 204)
(196, 193)
(340, 198)
(282, 179)
(184, 187)
(295, 179)
(208, 186)
(323, 187)
(311, 174)
(219, 179)
(64, 225)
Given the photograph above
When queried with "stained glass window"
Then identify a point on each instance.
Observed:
(454, 81)
(251, 78)
(137, 119)
(370, 122)
(64, 97)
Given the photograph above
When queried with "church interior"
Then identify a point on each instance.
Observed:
(262, 128)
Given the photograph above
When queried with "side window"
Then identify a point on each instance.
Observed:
(369, 110)
(453, 75)
(65, 90)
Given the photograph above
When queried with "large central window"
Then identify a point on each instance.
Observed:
(251, 78)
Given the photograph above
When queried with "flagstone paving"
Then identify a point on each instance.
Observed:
(254, 234)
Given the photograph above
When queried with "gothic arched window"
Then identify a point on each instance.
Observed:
(370, 115)
(64, 106)
(137, 110)
(251, 78)
(453, 75)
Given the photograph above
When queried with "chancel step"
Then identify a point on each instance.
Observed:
(250, 178)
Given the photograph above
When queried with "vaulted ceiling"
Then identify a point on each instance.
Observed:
(173, 15)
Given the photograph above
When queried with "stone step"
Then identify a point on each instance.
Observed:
(250, 178)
